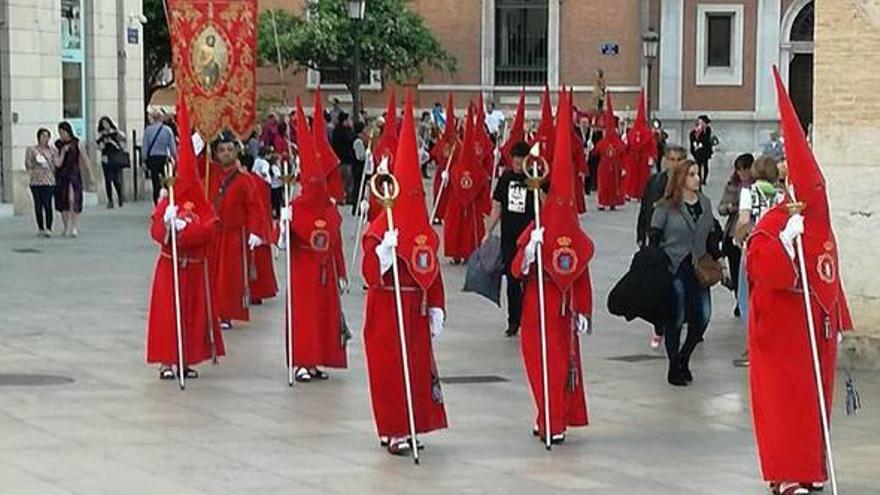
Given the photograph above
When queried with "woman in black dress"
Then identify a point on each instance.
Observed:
(69, 166)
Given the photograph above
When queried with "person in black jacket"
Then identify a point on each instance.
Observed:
(654, 192)
(702, 144)
(342, 140)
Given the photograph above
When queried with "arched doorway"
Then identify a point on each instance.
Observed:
(797, 51)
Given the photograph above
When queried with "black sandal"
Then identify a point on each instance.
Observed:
(320, 375)
(190, 373)
(166, 373)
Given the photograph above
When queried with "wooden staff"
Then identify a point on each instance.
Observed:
(444, 182)
(387, 196)
(172, 229)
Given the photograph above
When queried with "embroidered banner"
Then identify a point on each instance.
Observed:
(214, 44)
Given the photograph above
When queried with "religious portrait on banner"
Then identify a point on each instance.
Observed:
(214, 61)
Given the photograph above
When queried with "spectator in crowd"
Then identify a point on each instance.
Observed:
(654, 191)
(512, 206)
(494, 121)
(335, 113)
(39, 161)
(702, 145)
(660, 137)
(439, 115)
(159, 145)
(342, 141)
(114, 157)
(773, 148)
(729, 207)
(270, 130)
(764, 192)
(71, 167)
(359, 148)
(684, 227)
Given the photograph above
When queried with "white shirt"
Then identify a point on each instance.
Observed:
(262, 168)
(494, 120)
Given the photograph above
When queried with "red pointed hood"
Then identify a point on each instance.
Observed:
(326, 156)
(611, 141)
(546, 130)
(189, 191)
(387, 145)
(417, 241)
(451, 124)
(641, 136)
(567, 249)
(806, 179)
(517, 131)
(311, 172)
(468, 178)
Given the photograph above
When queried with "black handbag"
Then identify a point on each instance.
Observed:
(120, 158)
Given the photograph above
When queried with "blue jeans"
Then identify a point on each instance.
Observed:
(742, 295)
(693, 306)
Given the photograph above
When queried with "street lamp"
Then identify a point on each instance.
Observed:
(356, 10)
(650, 46)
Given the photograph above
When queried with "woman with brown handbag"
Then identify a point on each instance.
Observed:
(685, 228)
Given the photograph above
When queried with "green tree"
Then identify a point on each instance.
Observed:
(157, 50)
(391, 38)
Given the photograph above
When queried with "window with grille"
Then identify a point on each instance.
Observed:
(521, 42)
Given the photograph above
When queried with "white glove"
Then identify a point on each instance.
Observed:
(368, 163)
(436, 317)
(385, 250)
(179, 224)
(444, 175)
(792, 230)
(286, 214)
(364, 207)
(584, 324)
(343, 284)
(531, 250)
(170, 214)
(254, 241)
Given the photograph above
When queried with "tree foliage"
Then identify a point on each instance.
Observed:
(157, 49)
(392, 39)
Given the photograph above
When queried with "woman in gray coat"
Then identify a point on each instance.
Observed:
(685, 228)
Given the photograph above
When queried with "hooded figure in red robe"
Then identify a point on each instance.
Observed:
(240, 214)
(546, 131)
(422, 296)
(384, 150)
(326, 156)
(463, 228)
(612, 151)
(784, 398)
(262, 282)
(195, 225)
(318, 266)
(566, 252)
(642, 150)
(442, 152)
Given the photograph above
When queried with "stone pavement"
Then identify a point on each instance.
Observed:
(76, 308)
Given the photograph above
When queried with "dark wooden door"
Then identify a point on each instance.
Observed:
(800, 86)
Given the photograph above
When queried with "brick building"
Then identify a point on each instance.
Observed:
(714, 57)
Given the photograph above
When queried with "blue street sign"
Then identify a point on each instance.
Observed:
(610, 49)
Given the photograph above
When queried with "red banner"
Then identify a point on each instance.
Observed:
(215, 51)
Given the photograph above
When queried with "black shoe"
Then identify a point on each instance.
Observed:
(512, 330)
(190, 373)
(685, 368)
(675, 377)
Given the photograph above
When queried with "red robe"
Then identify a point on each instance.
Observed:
(568, 405)
(197, 323)
(382, 346)
(261, 273)
(463, 227)
(317, 338)
(784, 403)
(610, 172)
(642, 150)
(239, 214)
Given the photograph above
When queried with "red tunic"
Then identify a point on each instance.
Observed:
(463, 227)
(197, 323)
(317, 262)
(239, 214)
(610, 172)
(568, 403)
(382, 346)
(261, 274)
(784, 403)
(642, 151)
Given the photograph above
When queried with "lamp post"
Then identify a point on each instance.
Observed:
(356, 10)
(650, 46)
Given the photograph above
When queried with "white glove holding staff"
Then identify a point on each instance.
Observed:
(286, 214)
(792, 230)
(584, 324)
(531, 250)
(385, 250)
(170, 214)
(436, 317)
(254, 241)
